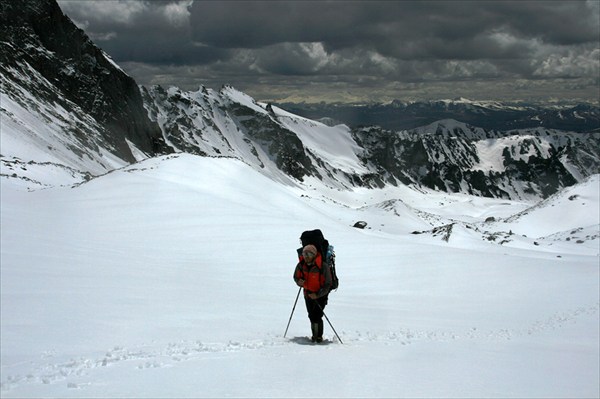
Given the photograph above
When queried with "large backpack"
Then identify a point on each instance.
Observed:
(316, 238)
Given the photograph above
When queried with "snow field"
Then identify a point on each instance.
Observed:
(172, 278)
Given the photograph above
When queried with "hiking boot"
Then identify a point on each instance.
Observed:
(319, 336)
(315, 332)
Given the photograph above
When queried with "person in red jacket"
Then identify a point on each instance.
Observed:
(314, 275)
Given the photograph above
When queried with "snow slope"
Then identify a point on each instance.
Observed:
(172, 278)
(334, 144)
(46, 132)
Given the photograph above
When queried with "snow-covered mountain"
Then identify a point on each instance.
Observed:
(67, 107)
(63, 100)
(456, 157)
(446, 155)
(232, 124)
(402, 115)
(155, 259)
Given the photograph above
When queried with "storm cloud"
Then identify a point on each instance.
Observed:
(355, 50)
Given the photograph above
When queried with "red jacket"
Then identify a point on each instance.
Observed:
(316, 276)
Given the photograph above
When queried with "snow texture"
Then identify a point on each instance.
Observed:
(172, 277)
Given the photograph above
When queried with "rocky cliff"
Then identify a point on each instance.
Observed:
(45, 54)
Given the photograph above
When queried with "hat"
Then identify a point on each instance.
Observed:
(310, 248)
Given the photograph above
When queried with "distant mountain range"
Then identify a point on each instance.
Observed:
(67, 106)
(399, 115)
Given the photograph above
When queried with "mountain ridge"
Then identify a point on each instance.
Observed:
(402, 115)
(73, 74)
(65, 102)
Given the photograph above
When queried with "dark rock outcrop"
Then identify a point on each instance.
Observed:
(37, 38)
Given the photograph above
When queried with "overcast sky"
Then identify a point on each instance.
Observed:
(355, 50)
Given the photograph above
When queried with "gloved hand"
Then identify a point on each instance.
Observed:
(300, 283)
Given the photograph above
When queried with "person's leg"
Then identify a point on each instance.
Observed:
(315, 315)
(322, 302)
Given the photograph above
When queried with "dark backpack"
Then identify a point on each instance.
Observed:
(316, 238)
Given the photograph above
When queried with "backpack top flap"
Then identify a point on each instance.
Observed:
(316, 238)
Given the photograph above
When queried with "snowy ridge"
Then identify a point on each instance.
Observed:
(34, 175)
(333, 145)
(579, 202)
(402, 115)
(47, 132)
(231, 123)
(539, 224)
(452, 156)
(447, 155)
(63, 100)
(80, 110)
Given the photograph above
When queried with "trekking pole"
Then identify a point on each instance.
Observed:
(330, 325)
(294, 308)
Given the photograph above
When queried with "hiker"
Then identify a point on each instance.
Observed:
(313, 274)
